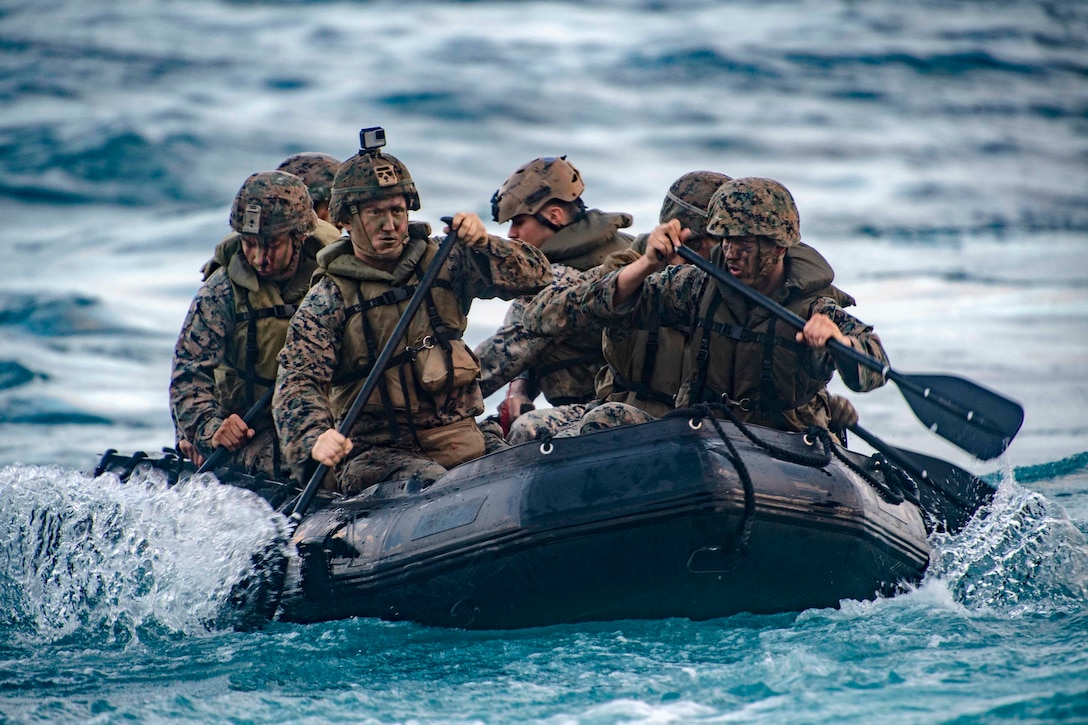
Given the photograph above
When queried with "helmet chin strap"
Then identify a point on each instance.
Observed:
(767, 263)
(545, 221)
(556, 227)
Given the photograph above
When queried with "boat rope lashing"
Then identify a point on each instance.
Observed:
(744, 530)
(814, 460)
(897, 487)
(893, 494)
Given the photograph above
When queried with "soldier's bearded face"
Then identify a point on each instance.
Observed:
(272, 258)
(380, 229)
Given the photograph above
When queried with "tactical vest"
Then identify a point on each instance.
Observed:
(749, 359)
(262, 313)
(645, 367)
(431, 347)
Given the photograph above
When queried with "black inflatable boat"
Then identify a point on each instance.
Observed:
(674, 518)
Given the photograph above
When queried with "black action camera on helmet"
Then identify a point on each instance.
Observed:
(371, 139)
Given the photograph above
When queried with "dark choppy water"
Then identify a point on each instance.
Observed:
(939, 155)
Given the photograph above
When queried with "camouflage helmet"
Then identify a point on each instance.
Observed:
(315, 169)
(754, 207)
(272, 202)
(533, 185)
(688, 199)
(370, 175)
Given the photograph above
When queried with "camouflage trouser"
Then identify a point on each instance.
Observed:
(613, 415)
(387, 463)
(556, 422)
(493, 440)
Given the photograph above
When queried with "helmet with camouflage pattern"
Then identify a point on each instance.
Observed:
(754, 206)
(272, 202)
(315, 169)
(533, 185)
(370, 175)
(688, 199)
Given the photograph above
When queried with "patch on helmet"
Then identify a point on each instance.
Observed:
(385, 174)
(251, 222)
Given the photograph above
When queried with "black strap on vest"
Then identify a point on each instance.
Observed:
(767, 392)
(649, 359)
(702, 357)
(392, 296)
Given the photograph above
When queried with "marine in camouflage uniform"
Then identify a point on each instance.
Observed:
(737, 354)
(225, 357)
(420, 420)
(542, 201)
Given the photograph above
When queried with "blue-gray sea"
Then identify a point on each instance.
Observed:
(938, 152)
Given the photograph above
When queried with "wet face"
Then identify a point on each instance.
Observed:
(750, 259)
(380, 230)
(273, 258)
(527, 228)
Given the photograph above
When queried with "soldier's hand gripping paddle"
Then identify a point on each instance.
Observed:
(251, 415)
(378, 369)
(974, 418)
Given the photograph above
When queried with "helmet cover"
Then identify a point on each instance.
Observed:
(533, 185)
(688, 199)
(367, 176)
(316, 170)
(270, 203)
(754, 206)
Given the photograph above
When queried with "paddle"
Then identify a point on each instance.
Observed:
(949, 494)
(983, 424)
(378, 369)
(222, 451)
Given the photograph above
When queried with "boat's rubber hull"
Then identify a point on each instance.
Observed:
(634, 523)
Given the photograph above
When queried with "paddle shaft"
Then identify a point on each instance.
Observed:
(222, 452)
(378, 369)
(891, 453)
(994, 436)
(950, 495)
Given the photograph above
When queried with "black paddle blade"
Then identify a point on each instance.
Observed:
(950, 495)
(976, 419)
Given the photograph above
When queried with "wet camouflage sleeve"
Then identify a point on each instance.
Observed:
(513, 348)
(200, 348)
(668, 298)
(300, 405)
(856, 377)
(504, 269)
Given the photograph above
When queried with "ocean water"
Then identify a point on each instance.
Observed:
(938, 152)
